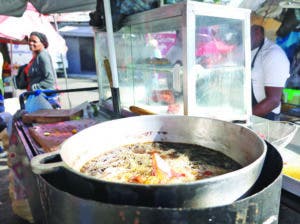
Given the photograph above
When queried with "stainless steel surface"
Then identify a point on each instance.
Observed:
(285, 136)
(278, 133)
(291, 158)
(258, 207)
(237, 142)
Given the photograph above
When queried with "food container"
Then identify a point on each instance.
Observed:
(238, 142)
(278, 133)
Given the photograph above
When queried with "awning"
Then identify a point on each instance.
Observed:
(18, 7)
(76, 31)
(17, 29)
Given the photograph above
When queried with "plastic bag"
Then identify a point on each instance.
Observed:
(37, 102)
(53, 100)
(2, 107)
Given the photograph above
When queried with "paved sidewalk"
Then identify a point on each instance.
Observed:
(12, 104)
(77, 98)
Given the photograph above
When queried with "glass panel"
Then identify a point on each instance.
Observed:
(219, 42)
(220, 59)
(146, 70)
(101, 52)
(124, 59)
(150, 63)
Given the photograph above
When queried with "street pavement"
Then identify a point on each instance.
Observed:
(7, 215)
(68, 100)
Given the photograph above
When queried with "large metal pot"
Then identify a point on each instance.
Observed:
(237, 142)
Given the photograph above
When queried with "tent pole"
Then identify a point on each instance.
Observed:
(63, 63)
(11, 65)
(112, 57)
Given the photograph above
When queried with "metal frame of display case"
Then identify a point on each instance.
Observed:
(185, 12)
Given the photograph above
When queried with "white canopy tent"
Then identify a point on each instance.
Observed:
(16, 29)
(18, 7)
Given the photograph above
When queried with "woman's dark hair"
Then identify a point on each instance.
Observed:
(43, 38)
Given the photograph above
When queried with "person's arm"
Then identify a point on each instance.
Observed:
(275, 66)
(47, 81)
(272, 100)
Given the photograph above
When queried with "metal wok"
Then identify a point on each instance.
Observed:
(235, 141)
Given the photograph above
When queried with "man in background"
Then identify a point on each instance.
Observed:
(270, 70)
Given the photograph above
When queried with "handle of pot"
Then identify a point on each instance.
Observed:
(47, 163)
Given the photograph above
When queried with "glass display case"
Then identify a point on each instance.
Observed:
(188, 58)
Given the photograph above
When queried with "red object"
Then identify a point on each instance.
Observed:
(165, 96)
(207, 173)
(214, 47)
(173, 108)
(26, 70)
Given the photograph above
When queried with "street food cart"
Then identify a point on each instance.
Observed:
(188, 58)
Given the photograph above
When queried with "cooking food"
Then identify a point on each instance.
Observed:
(159, 163)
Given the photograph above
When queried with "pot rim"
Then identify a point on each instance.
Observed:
(218, 178)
